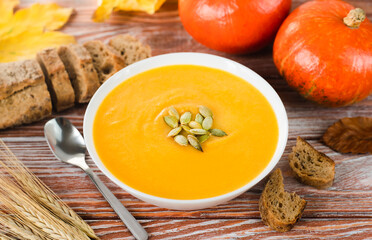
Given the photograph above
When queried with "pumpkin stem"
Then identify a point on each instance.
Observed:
(354, 18)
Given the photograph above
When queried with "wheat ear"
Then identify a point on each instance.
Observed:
(42, 193)
(19, 203)
(60, 210)
(6, 237)
(18, 228)
(54, 229)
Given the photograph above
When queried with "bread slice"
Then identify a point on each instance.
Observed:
(106, 60)
(79, 66)
(57, 80)
(31, 104)
(279, 209)
(130, 48)
(15, 76)
(310, 166)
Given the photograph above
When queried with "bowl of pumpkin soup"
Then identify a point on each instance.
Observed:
(186, 130)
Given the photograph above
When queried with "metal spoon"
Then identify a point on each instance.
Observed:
(68, 145)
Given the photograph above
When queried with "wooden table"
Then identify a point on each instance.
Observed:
(342, 211)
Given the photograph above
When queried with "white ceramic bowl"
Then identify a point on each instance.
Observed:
(193, 59)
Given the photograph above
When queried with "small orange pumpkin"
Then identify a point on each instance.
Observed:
(233, 26)
(324, 50)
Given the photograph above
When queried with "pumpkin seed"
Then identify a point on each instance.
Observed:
(199, 118)
(185, 118)
(203, 138)
(194, 124)
(181, 140)
(218, 132)
(194, 142)
(199, 131)
(173, 112)
(186, 128)
(172, 121)
(174, 131)
(207, 123)
(205, 111)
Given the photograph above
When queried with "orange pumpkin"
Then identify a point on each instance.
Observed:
(233, 26)
(324, 50)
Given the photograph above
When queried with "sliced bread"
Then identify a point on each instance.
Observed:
(130, 48)
(106, 60)
(28, 105)
(15, 76)
(57, 79)
(310, 166)
(279, 209)
(79, 66)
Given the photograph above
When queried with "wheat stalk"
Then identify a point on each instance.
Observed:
(40, 192)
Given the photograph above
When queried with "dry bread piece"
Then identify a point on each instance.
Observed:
(26, 106)
(310, 166)
(57, 80)
(130, 48)
(279, 209)
(15, 76)
(79, 66)
(106, 60)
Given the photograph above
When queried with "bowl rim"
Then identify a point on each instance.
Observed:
(187, 58)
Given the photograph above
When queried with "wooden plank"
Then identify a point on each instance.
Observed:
(238, 229)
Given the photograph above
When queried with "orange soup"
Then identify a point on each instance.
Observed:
(130, 135)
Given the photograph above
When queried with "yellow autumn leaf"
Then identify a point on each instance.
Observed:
(6, 9)
(30, 30)
(106, 7)
(12, 49)
(48, 16)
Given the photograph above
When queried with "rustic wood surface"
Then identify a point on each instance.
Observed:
(342, 211)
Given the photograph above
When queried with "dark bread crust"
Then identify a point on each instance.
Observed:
(130, 48)
(79, 66)
(106, 60)
(26, 106)
(310, 166)
(15, 76)
(279, 209)
(57, 79)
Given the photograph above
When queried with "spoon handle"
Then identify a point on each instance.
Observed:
(134, 227)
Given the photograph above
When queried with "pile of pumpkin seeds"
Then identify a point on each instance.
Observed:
(197, 131)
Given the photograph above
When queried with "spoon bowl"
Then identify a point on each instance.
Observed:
(66, 142)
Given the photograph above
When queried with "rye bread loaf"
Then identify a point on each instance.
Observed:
(310, 166)
(106, 60)
(79, 66)
(279, 209)
(15, 76)
(57, 79)
(130, 48)
(28, 105)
